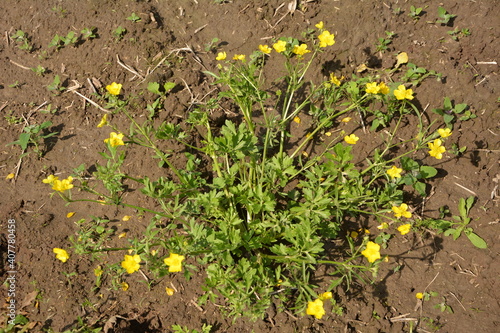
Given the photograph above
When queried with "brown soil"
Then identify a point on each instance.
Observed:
(465, 277)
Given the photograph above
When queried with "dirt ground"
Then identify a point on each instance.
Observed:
(53, 295)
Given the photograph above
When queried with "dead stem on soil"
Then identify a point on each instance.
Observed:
(129, 68)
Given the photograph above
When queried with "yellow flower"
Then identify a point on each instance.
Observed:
(300, 49)
(61, 254)
(62, 185)
(403, 93)
(98, 271)
(345, 120)
(404, 229)
(372, 88)
(70, 214)
(126, 218)
(131, 263)
(297, 119)
(124, 286)
(419, 295)
(401, 58)
(334, 79)
(104, 121)
(169, 291)
(240, 57)
(384, 225)
(115, 140)
(436, 149)
(320, 25)
(174, 262)
(383, 88)
(326, 39)
(444, 132)
(114, 88)
(325, 296)
(221, 56)
(401, 211)
(315, 308)
(10, 176)
(351, 139)
(279, 46)
(372, 251)
(50, 179)
(394, 172)
(122, 235)
(265, 49)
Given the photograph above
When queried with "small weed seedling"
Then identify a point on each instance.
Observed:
(416, 13)
(89, 33)
(444, 17)
(161, 91)
(16, 85)
(39, 70)
(59, 10)
(416, 74)
(456, 229)
(59, 41)
(211, 46)
(134, 18)
(450, 112)
(456, 34)
(55, 86)
(119, 32)
(23, 40)
(49, 110)
(183, 329)
(11, 119)
(34, 135)
(384, 42)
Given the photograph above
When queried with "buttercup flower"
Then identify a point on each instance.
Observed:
(98, 271)
(174, 262)
(403, 93)
(300, 49)
(444, 132)
(50, 179)
(114, 88)
(394, 172)
(240, 57)
(221, 56)
(372, 251)
(334, 79)
(265, 49)
(383, 88)
(115, 140)
(436, 149)
(384, 225)
(320, 25)
(315, 308)
(131, 263)
(62, 185)
(326, 39)
(326, 295)
(297, 119)
(351, 139)
(404, 229)
(372, 88)
(279, 46)
(124, 286)
(419, 295)
(61, 254)
(104, 121)
(401, 211)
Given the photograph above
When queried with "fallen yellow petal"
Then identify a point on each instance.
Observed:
(70, 214)
(10, 176)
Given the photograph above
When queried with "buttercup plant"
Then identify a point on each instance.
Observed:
(260, 217)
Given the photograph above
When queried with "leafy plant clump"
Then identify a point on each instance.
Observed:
(268, 207)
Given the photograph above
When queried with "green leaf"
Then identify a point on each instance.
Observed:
(420, 188)
(427, 171)
(476, 240)
(154, 87)
(168, 86)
